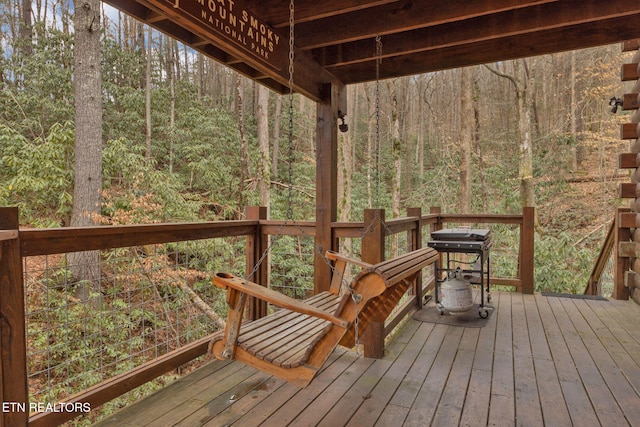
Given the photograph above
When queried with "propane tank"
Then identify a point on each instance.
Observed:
(456, 294)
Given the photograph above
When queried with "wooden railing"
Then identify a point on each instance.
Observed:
(17, 244)
(606, 252)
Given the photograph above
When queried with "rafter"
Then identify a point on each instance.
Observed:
(398, 17)
(310, 10)
(510, 47)
(484, 28)
(334, 39)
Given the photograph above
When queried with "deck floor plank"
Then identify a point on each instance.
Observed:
(502, 407)
(408, 389)
(305, 397)
(426, 402)
(392, 416)
(602, 348)
(476, 406)
(337, 363)
(372, 407)
(619, 343)
(313, 413)
(604, 402)
(203, 394)
(554, 410)
(539, 360)
(449, 409)
(527, 400)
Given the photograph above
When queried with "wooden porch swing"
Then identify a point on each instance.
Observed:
(294, 342)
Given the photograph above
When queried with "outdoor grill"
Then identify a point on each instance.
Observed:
(464, 241)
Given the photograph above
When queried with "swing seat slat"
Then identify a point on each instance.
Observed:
(294, 342)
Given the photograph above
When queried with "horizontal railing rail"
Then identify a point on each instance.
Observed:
(408, 233)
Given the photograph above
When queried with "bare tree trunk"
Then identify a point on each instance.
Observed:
(466, 137)
(201, 81)
(264, 177)
(244, 154)
(26, 28)
(574, 119)
(478, 149)
(85, 266)
(525, 145)
(396, 145)
(277, 117)
(344, 166)
(370, 148)
(526, 142)
(147, 102)
(171, 66)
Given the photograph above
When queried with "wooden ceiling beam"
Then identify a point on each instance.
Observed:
(201, 27)
(484, 28)
(398, 16)
(483, 52)
(276, 12)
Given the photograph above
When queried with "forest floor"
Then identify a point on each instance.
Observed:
(583, 203)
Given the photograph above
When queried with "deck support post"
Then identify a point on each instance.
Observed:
(256, 246)
(527, 247)
(13, 350)
(326, 182)
(373, 248)
(621, 264)
(438, 225)
(414, 242)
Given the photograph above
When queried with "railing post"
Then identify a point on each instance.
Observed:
(436, 210)
(414, 241)
(13, 350)
(257, 246)
(621, 264)
(373, 246)
(527, 247)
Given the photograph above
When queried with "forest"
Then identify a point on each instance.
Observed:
(184, 138)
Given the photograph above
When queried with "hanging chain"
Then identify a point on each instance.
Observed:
(355, 297)
(289, 213)
(290, 141)
(377, 153)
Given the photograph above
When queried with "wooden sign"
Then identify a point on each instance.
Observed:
(231, 22)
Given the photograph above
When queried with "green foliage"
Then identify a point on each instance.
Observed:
(38, 175)
(40, 93)
(292, 266)
(559, 266)
(136, 192)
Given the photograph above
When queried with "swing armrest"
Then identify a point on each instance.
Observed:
(334, 256)
(238, 284)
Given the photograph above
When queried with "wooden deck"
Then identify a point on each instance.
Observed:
(539, 361)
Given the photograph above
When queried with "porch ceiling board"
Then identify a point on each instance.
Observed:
(170, 17)
(494, 27)
(399, 17)
(487, 51)
(335, 40)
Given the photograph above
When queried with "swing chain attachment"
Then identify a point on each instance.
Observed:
(377, 140)
(356, 300)
(290, 130)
